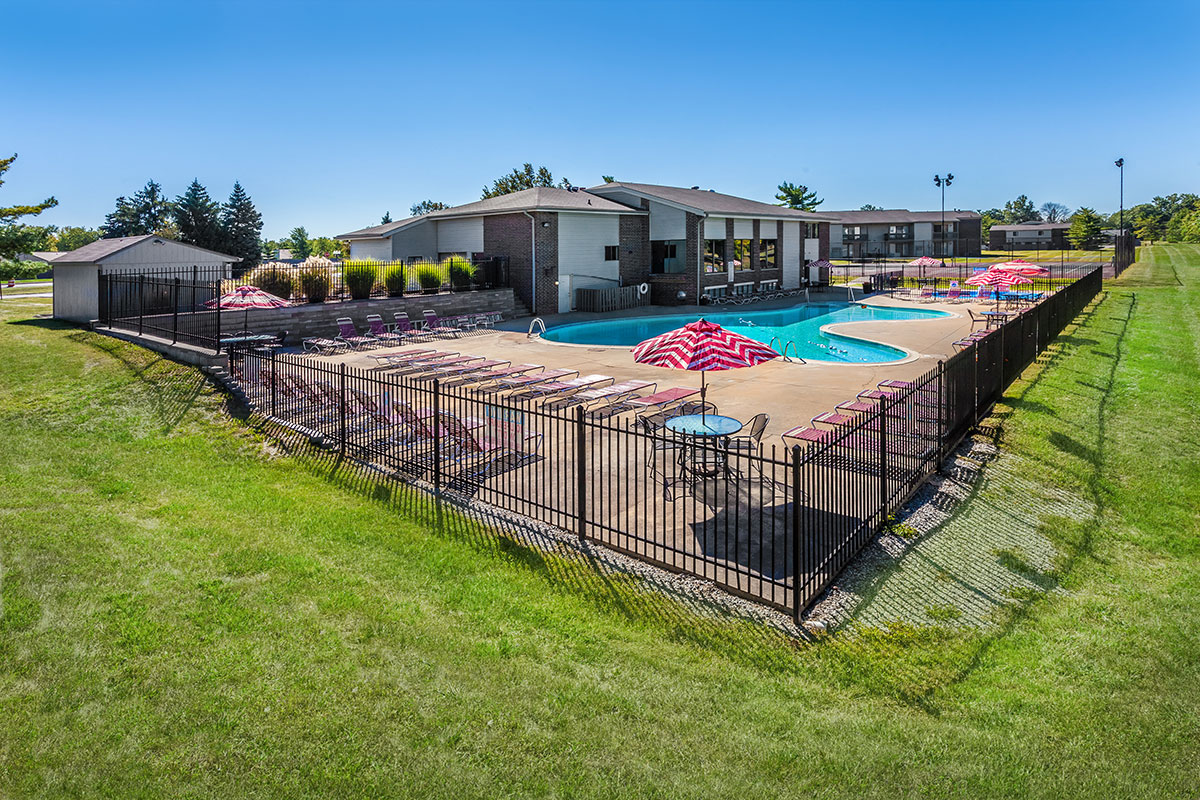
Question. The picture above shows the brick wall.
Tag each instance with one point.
(509, 235)
(970, 232)
(634, 249)
(306, 320)
(547, 262)
(822, 242)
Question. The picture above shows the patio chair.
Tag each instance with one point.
(379, 332)
(316, 345)
(435, 325)
(524, 381)
(348, 334)
(976, 319)
(399, 359)
(659, 400)
(751, 440)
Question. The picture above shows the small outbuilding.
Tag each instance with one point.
(77, 273)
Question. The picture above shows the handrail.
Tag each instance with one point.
(537, 321)
(786, 344)
(850, 293)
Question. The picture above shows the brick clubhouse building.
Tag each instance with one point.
(682, 243)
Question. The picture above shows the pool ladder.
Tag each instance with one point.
(784, 352)
(536, 323)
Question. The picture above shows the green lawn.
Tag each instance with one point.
(191, 610)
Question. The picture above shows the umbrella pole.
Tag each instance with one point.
(703, 397)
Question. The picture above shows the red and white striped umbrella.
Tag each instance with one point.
(997, 277)
(702, 346)
(926, 261)
(1020, 266)
(247, 297)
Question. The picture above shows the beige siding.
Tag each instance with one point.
(460, 236)
(791, 255)
(667, 223)
(417, 241)
(714, 228)
(75, 292)
(581, 265)
(372, 249)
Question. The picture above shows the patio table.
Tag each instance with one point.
(697, 457)
(248, 342)
(997, 317)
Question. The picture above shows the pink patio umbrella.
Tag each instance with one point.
(247, 297)
(926, 261)
(1020, 266)
(702, 346)
(997, 278)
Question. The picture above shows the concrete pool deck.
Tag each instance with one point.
(791, 393)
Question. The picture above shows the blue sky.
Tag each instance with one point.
(332, 113)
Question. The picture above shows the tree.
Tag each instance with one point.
(269, 249)
(1189, 226)
(1084, 232)
(524, 177)
(1147, 227)
(13, 213)
(387, 217)
(17, 237)
(797, 196)
(869, 207)
(324, 246)
(1054, 212)
(241, 226)
(425, 206)
(198, 218)
(147, 212)
(72, 238)
(298, 243)
(608, 179)
(1020, 210)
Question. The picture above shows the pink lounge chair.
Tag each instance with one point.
(490, 375)
(605, 397)
(399, 359)
(440, 372)
(524, 381)
(348, 334)
(563, 388)
(436, 325)
(378, 331)
(803, 433)
(660, 400)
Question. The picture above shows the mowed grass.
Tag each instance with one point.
(188, 610)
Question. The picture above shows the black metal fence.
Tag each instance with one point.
(175, 308)
(772, 523)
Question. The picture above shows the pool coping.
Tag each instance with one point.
(909, 354)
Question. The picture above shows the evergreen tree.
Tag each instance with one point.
(18, 238)
(241, 225)
(198, 218)
(387, 217)
(13, 213)
(425, 206)
(1085, 229)
(147, 212)
(797, 196)
(1020, 210)
(298, 243)
(524, 177)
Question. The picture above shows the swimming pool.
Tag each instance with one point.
(800, 324)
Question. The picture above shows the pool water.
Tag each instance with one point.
(800, 324)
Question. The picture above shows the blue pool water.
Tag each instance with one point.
(800, 324)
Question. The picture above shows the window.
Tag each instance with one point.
(766, 254)
(666, 257)
(612, 252)
(714, 255)
(715, 291)
(812, 230)
(741, 255)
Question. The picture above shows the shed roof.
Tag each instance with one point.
(102, 249)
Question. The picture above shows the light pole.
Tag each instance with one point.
(1120, 162)
(942, 183)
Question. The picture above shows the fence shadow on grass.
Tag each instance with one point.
(741, 630)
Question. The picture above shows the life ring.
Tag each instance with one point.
(643, 288)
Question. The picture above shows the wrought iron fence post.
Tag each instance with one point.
(883, 492)
(274, 381)
(437, 437)
(217, 338)
(141, 300)
(342, 408)
(797, 604)
(175, 314)
(942, 415)
(580, 473)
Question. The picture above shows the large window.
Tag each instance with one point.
(741, 255)
(766, 254)
(714, 255)
(667, 257)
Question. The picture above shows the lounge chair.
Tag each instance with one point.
(382, 334)
(661, 400)
(561, 388)
(805, 434)
(491, 375)
(348, 334)
(524, 381)
(439, 371)
(436, 326)
(399, 359)
(415, 369)
(317, 345)
(604, 398)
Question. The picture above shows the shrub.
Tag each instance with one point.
(395, 279)
(359, 277)
(461, 272)
(273, 278)
(429, 276)
(22, 270)
(314, 283)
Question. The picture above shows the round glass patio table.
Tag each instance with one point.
(704, 425)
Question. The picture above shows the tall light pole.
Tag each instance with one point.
(942, 183)
(1120, 162)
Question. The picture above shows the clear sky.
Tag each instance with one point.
(332, 113)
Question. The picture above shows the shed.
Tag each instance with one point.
(77, 273)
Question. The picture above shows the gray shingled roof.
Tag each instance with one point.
(704, 201)
(891, 216)
(1033, 226)
(541, 198)
(104, 248)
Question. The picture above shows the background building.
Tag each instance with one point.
(900, 233)
(1029, 236)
